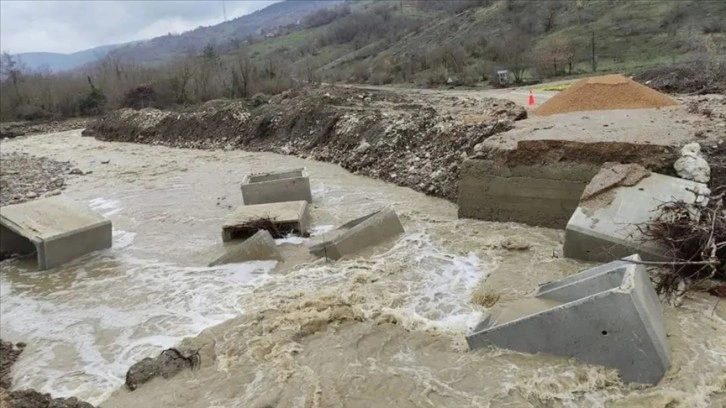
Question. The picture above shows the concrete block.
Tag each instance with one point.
(609, 315)
(288, 217)
(57, 229)
(605, 227)
(543, 195)
(360, 233)
(258, 247)
(273, 187)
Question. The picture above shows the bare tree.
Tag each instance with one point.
(513, 51)
(12, 68)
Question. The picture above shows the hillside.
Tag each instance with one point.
(224, 35)
(62, 62)
(429, 42)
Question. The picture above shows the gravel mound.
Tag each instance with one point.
(604, 93)
(24, 177)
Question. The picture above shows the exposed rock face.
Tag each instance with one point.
(166, 365)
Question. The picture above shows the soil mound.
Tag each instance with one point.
(603, 93)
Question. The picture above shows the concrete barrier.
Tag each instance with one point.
(606, 227)
(273, 187)
(258, 247)
(360, 233)
(609, 315)
(57, 229)
(287, 217)
(543, 195)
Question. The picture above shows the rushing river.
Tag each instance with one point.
(383, 330)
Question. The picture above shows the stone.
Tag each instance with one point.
(259, 247)
(605, 226)
(278, 186)
(287, 217)
(57, 229)
(608, 315)
(691, 165)
(358, 234)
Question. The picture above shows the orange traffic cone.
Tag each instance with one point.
(531, 99)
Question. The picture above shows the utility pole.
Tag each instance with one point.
(594, 65)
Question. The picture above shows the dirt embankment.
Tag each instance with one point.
(375, 133)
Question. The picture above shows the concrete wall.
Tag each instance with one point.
(258, 247)
(66, 247)
(540, 195)
(282, 186)
(11, 241)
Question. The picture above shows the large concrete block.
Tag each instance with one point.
(56, 228)
(609, 315)
(287, 217)
(258, 247)
(542, 195)
(605, 227)
(360, 233)
(273, 187)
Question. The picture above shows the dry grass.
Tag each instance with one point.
(695, 242)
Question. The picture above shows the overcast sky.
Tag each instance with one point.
(70, 26)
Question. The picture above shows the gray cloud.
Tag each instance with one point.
(69, 26)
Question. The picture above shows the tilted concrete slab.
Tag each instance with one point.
(259, 247)
(290, 216)
(360, 233)
(609, 315)
(57, 229)
(273, 187)
(605, 227)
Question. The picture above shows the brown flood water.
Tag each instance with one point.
(383, 330)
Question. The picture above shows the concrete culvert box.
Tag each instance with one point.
(279, 219)
(57, 229)
(274, 187)
(609, 315)
(258, 247)
(358, 234)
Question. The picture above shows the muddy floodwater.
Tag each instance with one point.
(383, 330)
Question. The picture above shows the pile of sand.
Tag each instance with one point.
(602, 93)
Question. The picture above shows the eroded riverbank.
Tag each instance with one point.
(383, 330)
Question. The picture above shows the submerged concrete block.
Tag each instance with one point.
(258, 247)
(609, 315)
(543, 194)
(360, 233)
(605, 226)
(56, 228)
(287, 217)
(279, 186)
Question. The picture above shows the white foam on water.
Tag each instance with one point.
(105, 206)
(105, 340)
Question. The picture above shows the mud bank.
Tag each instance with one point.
(412, 142)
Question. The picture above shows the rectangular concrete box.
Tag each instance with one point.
(609, 232)
(290, 216)
(360, 233)
(259, 247)
(273, 187)
(57, 229)
(609, 315)
(541, 195)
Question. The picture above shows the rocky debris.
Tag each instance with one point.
(35, 399)
(24, 177)
(9, 354)
(613, 175)
(685, 78)
(15, 129)
(691, 165)
(379, 134)
(166, 365)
